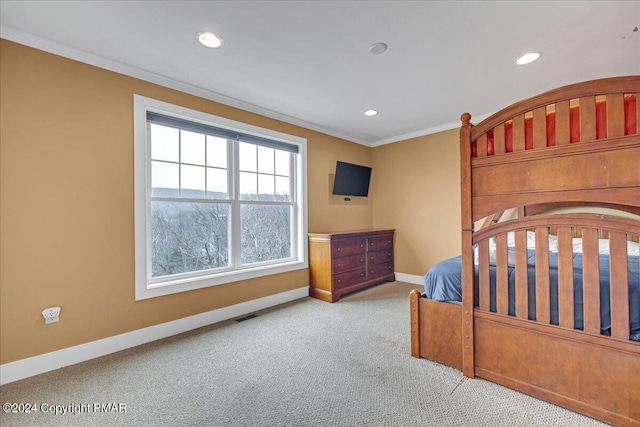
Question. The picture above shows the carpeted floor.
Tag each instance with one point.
(305, 363)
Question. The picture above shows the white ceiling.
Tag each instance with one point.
(308, 62)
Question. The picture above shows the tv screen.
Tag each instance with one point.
(351, 180)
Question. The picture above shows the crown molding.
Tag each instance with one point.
(148, 76)
(428, 131)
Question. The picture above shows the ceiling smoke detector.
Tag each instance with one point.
(378, 48)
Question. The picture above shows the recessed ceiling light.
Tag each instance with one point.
(210, 40)
(378, 48)
(528, 58)
(370, 113)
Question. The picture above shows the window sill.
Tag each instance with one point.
(146, 290)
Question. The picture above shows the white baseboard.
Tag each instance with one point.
(409, 278)
(24, 368)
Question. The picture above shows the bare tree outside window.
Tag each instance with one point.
(265, 233)
(188, 237)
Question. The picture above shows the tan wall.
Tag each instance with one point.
(416, 190)
(66, 204)
(328, 213)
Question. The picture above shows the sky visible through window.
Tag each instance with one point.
(196, 163)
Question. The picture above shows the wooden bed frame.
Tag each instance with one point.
(581, 370)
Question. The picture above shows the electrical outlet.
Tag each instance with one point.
(51, 314)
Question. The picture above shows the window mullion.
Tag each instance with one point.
(234, 226)
(180, 163)
(206, 167)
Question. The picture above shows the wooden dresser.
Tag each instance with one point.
(344, 262)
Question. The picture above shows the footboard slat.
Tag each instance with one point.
(543, 304)
(619, 287)
(502, 284)
(565, 277)
(591, 281)
(483, 275)
(522, 293)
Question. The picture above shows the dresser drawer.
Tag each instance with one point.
(379, 270)
(349, 278)
(379, 257)
(348, 263)
(382, 242)
(344, 247)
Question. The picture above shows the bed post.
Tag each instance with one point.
(468, 362)
(414, 306)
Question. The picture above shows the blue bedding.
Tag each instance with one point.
(443, 283)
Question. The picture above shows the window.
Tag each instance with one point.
(216, 201)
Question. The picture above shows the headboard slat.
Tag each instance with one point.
(615, 115)
(518, 133)
(481, 146)
(540, 127)
(499, 146)
(638, 112)
(563, 123)
(588, 118)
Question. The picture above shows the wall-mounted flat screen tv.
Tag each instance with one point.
(351, 180)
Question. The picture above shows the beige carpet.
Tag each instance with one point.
(305, 363)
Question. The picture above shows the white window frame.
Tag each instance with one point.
(148, 287)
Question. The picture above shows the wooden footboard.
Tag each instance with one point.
(593, 375)
(436, 330)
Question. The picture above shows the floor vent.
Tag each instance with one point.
(242, 319)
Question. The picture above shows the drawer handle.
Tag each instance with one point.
(361, 274)
(361, 259)
(339, 265)
(339, 280)
(338, 248)
(361, 245)
(388, 267)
